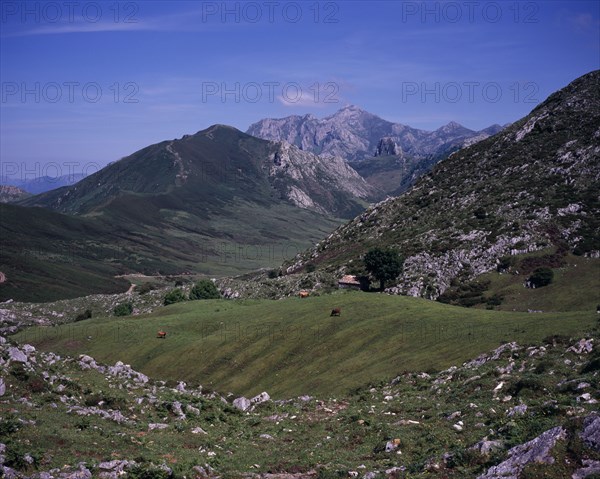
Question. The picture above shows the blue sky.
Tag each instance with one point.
(86, 83)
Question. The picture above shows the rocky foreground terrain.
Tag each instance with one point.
(521, 411)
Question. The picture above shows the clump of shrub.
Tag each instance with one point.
(174, 296)
(541, 277)
(204, 289)
(148, 471)
(9, 425)
(87, 314)
(467, 294)
(505, 263)
(123, 309)
(146, 288)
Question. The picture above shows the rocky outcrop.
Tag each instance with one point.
(324, 184)
(591, 432)
(388, 147)
(537, 450)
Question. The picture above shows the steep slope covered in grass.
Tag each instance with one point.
(532, 187)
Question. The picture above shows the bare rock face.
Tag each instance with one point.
(591, 432)
(324, 184)
(537, 450)
(388, 147)
(590, 468)
(354, 134)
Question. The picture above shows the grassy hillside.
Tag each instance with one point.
(292, 346)
(48, 256)
(208, 203)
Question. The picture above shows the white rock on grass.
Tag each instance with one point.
(260, 398)
(242, 403)
(15, 354)
(158, 426)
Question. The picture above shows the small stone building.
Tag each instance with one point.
(350, 281)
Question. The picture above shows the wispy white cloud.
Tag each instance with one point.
(82, 27)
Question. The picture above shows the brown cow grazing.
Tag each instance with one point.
(161, 334)
(303, 294)
(336, 312)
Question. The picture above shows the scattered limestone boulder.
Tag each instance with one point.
(114, 469)
(159, 426)
(260, 398)
(591, 432)
(88, 362)
(192, 410)
(517, 410)
(2, 387)
(82, 473)
(484, 447)
(536, 450)
(242, 403)
(589, 468)
(583, 346)
(15, 354)
(176, 408)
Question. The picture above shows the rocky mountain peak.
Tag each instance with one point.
(354, 134)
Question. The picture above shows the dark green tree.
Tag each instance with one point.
(174, 296)
(541, 277)
(383, 264)
(204, 289)
(123, 309)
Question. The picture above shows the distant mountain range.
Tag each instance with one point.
(389, 156)
(42, 183)
(533, 187)
(219, 164)
(354, 135)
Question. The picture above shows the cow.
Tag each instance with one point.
(161, 334)
(303, 294)
(336, 312)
